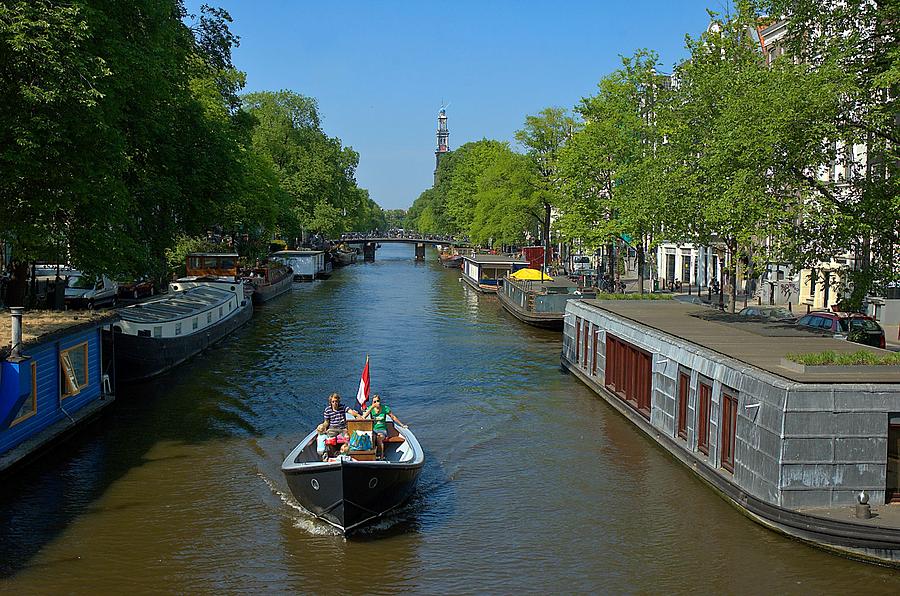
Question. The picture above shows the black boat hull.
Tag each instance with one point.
(350, 494)
(139, 358)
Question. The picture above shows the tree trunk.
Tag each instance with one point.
(640, 259)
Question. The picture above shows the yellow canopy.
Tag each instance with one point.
(530, 275)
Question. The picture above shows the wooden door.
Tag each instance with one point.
(892, 491)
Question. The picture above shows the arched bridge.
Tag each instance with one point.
(370, 244)
(403, 240)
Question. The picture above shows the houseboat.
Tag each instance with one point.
(155, 336)
(541, 303)
(269, 281)
(51, 383)
(307, 264)
(485, 272)
(811, 452)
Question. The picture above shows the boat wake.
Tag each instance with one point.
(301, 518)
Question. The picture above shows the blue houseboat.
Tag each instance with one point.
(50, 384)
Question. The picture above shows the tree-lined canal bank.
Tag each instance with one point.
(532, 482)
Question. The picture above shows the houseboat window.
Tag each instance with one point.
(703, 400)
(577, 338)
(177, 328)
(628, 374)
(209, 317)
(220, 311)
(211, 263)
(595, 336)
(729, 426)
(684, 391)
(227, 263)
(195, 262)
(29, 407)
(587, 330)
(74, 369)
(157, 331)
(194, 323)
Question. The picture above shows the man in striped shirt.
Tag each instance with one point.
(336, 415)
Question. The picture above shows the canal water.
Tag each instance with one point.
(532, 483)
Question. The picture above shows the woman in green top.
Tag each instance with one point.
(379, 412)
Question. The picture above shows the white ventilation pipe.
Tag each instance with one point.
(16, 329)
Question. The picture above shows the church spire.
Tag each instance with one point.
(443, 140)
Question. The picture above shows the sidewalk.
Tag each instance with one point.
(890, 337)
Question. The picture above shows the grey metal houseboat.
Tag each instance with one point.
(540, 303)
(795, 448)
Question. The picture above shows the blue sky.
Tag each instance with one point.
(380, 70)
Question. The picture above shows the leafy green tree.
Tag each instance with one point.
(543, 136)
(853, 45)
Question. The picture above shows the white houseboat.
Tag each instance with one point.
(307, 264)
(485, 272)
(199, 310)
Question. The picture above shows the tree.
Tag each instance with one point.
(543, 136)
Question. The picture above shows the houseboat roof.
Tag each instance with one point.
(495, 259)
(38, 325)
(177, 305)
(759, 344)
(213, 254)
(557, 282)
(296, 253)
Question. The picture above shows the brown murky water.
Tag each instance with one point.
(532, 484)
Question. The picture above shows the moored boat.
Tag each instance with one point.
(451, 261)
(155, 336)
(351, 490)
(485, 272)
(343, 256)
(542, 302)
(200, 309)
(270, 280)
(307, 264)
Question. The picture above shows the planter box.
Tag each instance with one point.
(834, 368)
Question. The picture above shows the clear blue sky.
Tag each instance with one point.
(380, 69)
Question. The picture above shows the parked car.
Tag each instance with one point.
(138, 288)
(581, 264)
(853, 327)
(88, 291)
(769, 313)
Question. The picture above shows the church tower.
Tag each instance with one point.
(443, 140)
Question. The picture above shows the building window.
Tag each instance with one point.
(29, 407)
(729, 426)
(73, 364)
(194, 323)
(157, 331)
(704, 398)
(577, 338)
(628, 374)
(684, 392)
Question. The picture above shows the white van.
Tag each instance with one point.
(580, 263)
(83, 290)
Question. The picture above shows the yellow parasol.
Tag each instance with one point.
(530, 275)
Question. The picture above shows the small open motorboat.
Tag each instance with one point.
(350, 490)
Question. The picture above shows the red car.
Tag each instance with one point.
(139, 288)
(855, 327)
